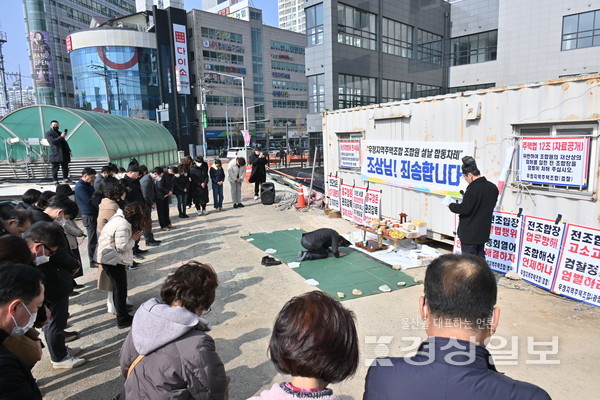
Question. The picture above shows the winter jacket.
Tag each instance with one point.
(180, 361)
(148, 189)
(72, 232)
(135, 191)
(16, 381)
(59, 148)
(475, 211)
(322, 239)
(445, 368)
(162, 189)
(199, 175)
(115, 245)
(259, 169)
(234, 171)
(281, 392)
(181, 184)
(217, 174)
(107, 209)
(83, 196)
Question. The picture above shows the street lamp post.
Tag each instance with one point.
(287, 136)
(254, 106)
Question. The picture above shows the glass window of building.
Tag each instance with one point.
(355, 91)
(314, 25)
(472, 49)
(395, 90)
(316, 93)
(222, 57)
(457, 89)
(117, 80)
(429, 47)
(356, 28)
(397, 38)
(285, 66)
(427, 90)
(581, 30)
(221, 35)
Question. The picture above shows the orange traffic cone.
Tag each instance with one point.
(300, 203)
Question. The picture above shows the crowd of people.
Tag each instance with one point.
(168, 353)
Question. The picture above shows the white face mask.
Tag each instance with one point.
(198, 164)
(177, 175)
(21, 330)
(43, 259)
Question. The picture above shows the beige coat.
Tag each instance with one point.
(106, 210)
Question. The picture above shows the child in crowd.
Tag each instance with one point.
(314, 340)
(217, 177)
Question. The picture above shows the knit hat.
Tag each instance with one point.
(133, 167)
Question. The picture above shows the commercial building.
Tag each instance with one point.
(115, 68)
(499, 43)
(361, 53)
(47, 24)
(291, 15)
(247, 70)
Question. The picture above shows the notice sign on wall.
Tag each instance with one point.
(554, 161)
(182, 69)
(333, 192)
(346, 202)
(502, 249)
(372, 205)
(358, 205)
(578, 271)
(350, 154)
(540, 248)
(427, 166)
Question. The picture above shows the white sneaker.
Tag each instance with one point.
(73, 351)
(204, 212)
(111, 309)
(255, 197)
(68, 362)
(199, 212)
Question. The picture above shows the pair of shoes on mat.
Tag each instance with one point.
(302, 255)
(268, 261)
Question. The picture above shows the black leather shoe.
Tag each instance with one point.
(235, 206)
(152, 242)
(240, 205)
(140, 251)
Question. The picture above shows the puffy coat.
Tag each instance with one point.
(198, 176)
(180, 360)
(235, 172)
(115, 245)
(259, 169)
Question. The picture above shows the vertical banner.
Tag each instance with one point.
(372, 205)
(346, 202)
(541, 244)
(350, 154)
(577, 276)
(41, 56)
(182, 69)
(358, 205)
(246, 135)
(333, 192)
(427, 166)
(554, 161)
(502, 248)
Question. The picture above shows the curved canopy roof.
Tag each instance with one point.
(91, 135)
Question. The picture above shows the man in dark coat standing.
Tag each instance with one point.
(199, 185)
(258, 175)
(460, 314)
(476, 209)
(60, 152)
(318, 243)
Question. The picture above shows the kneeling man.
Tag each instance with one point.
(318, 243)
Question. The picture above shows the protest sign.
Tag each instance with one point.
(333, 192)
(350, 154)
(372, 205)
(502, 249)
(346, 202)
(358, 205)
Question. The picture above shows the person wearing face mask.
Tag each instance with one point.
(21, 296)
(199, 185)
(60, 152)
(162, 193)
(59, 271)
(181, 188)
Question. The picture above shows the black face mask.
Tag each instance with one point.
(56, 129)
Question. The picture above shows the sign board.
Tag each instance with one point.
(578, 270)
(358, 205)
(503, 247)
(426, 166)
(559, 161)
(540, 248)
(372, 205)
(333, 192)
(41, 58)
(182, 69)
(349, 154)
(346, 202)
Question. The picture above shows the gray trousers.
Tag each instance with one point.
(91, 225)
(236, 192)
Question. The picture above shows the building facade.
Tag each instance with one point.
(500, 43)
(115, 68)
(247, 70)
(291, 15)
(47, 25)
(361, 53)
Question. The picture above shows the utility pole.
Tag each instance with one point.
(2, 71)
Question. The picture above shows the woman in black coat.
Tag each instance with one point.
(199, 184)
(258, 175)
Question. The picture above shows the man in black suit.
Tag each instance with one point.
(60, 152)
(476, 209)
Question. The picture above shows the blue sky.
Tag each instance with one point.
(15, 49)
